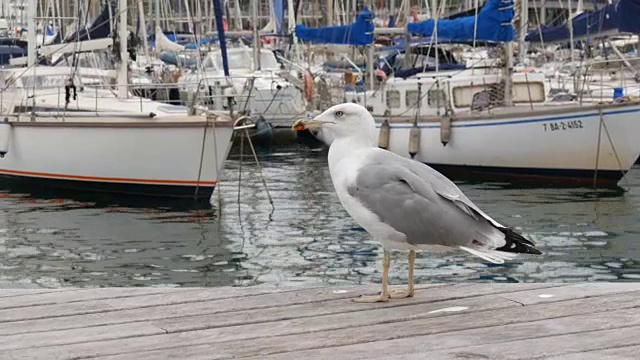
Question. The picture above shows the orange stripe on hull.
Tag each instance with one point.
(105, 179)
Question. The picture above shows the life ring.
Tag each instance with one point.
(308, 85)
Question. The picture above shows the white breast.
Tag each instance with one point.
(343, 174)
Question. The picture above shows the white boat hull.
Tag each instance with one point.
(146, 157)
(558, 145)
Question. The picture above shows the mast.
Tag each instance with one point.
(523, 25)
(329, 12)
(570, 23)
(256, 36)
(31, 32)
(508, 64)
(143, 28)
(157, 22)
(407, 37)
(434, 15)
(124, 55)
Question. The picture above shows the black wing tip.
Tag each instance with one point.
(516, 243)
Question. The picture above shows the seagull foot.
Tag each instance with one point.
(371, 298)
(397, 294)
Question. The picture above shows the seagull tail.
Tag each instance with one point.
(494, 256)
(516, 243)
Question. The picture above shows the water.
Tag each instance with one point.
(49, 240)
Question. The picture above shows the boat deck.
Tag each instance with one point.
(466, 321)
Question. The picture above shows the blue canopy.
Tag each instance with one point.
(493, 25)
(358, 33)
(623, 16)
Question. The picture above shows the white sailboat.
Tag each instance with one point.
(501, 125)
(55, 133)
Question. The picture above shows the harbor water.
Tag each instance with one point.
(54, 239)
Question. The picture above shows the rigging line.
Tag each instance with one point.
(613, 147)
(264, 182)
(595, 173)
(204, 139)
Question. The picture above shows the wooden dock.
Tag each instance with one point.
(465, 321)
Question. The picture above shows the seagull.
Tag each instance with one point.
(402, 203)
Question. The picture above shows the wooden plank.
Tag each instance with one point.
(573, 291)
(243, 313)
(475, 324)
(616, 353)
(77, 295)
(186, 296)
(538, 338)
(100, 333)
(548, 346)
(351, 315)
(4, 293)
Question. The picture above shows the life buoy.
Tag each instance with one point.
(308, 86)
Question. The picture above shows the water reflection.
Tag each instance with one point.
(53, 240)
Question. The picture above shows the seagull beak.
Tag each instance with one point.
(307, 124)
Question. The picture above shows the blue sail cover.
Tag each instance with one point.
(278, 10)
(493, 25)
(100, 28)
(217, 9)
(623, 16)
(358, 33)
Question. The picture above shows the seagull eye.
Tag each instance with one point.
(339, 113)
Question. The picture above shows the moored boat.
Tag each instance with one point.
(564, 144)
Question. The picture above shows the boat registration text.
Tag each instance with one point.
(562, 125)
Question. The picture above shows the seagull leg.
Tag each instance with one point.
(384, 296)
(409, 292)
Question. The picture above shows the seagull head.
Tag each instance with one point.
(346, 120)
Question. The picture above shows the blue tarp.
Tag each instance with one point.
(358, 33)
(493, 25)
(623, 16)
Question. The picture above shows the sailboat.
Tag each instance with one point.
(501, 126)
(57, 133)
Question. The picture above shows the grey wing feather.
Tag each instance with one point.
(410, 204)
(439, 183)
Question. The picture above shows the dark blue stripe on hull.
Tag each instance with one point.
(529, 175)
(27, 183)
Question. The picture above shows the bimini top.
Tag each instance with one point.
(621, 17)
(493, 24)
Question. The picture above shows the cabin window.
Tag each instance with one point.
(436, 98)
(393, 99)
(413, 97)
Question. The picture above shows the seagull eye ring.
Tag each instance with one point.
(339, 113)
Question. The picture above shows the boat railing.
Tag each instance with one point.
(67, 101)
